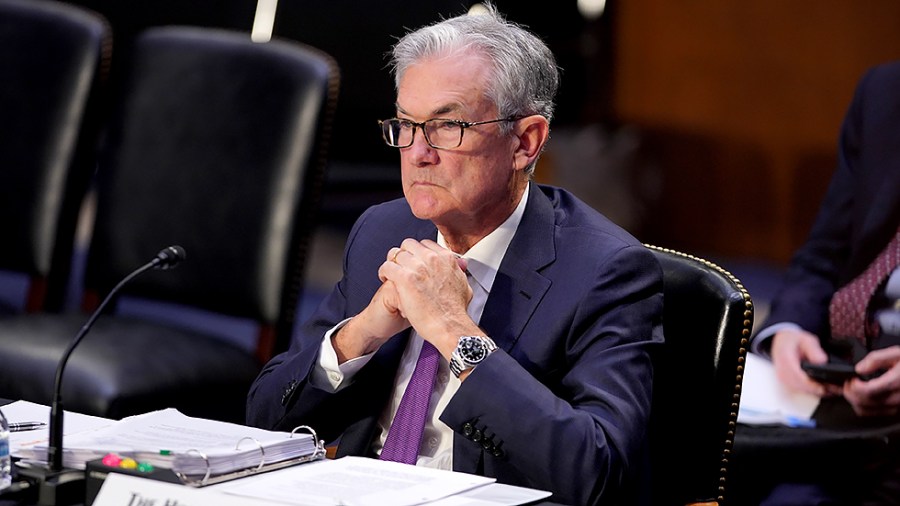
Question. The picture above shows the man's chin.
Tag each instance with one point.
(423, 207)
(423, 213)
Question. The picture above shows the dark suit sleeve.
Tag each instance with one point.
(858, 213)
(816, 269)
(282, 397)
(577, 429)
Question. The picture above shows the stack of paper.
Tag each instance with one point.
(350, 481)
(186, 445)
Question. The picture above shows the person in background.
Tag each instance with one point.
(839, 299)
(522, 320)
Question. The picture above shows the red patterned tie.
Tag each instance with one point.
(405, 434)
(847, 312)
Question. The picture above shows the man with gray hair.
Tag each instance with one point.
(483, 323)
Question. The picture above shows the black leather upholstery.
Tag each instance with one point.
(53, 61)
(217, 146)
(708, 318)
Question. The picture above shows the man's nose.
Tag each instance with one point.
(420, 152)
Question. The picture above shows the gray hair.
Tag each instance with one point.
(524, 73)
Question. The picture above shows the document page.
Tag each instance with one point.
(354, 481)
(765, 401)
(494, 494)
(168, 438)
(24, 411)
(170, 430)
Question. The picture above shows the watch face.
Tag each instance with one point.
(472, 349)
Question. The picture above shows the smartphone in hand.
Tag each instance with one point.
(835, 373)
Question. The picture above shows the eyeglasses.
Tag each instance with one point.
(439, 133)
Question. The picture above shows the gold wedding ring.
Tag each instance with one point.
(394, 256)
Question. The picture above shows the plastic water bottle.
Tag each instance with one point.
(5, 462)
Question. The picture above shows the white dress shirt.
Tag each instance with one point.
(436, 449)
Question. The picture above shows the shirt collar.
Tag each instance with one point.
(485, 256)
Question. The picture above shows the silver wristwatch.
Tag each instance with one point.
(469, 352)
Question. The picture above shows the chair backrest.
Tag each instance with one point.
(708, 317)
(53, 62)
(218, 145)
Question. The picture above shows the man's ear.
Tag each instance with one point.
(532, 132)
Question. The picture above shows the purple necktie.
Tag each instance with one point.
(405, 434)
(847, 311)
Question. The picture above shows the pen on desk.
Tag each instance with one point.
(794, 421)
(23, 426)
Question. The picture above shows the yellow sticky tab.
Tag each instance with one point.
(128, 463)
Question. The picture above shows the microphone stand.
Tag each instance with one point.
(56, 485)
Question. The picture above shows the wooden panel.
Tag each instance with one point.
(769, 79)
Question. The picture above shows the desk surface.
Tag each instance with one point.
(842, 444)
(26, 498)
(836, 427)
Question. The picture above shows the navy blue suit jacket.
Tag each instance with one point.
(576, 311)
(860, 212)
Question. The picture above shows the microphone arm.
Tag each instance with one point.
(166, 259)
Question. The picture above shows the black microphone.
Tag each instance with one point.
(167, 258)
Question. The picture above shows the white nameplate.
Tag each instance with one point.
(124, 490)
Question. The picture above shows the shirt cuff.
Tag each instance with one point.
(762, 342)
(328, 374)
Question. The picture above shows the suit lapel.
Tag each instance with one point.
(518, 287)
(516, 293)
(426, 230)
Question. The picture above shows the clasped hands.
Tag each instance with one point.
(423, 286)
(875, 397)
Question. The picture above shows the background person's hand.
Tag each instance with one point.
(878, 396)
(790, 347)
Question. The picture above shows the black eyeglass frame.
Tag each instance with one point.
(463, 125)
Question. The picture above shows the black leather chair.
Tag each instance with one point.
(217, 145)
(53, 62)
(708, 317)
